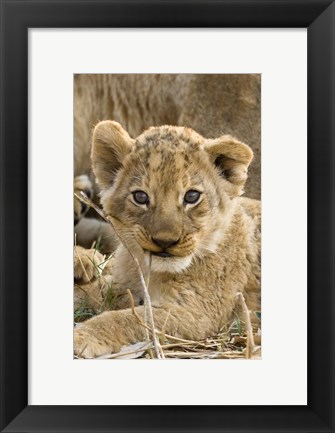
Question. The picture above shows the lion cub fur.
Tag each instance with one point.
(212, 246)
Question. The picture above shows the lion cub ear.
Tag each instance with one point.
(111, 144)
(232, 158)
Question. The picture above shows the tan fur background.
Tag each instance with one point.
(211, 104)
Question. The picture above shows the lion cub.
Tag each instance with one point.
(176, 196)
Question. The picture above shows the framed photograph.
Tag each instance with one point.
(231, 83)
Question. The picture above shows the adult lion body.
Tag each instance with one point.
(175, 197)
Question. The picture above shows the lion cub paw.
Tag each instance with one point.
(81, 183)
(86, 345)
(86, 264)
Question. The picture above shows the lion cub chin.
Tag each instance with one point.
(175, 200)
(171, 265)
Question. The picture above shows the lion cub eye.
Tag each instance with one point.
(192, 196)
(141, 197)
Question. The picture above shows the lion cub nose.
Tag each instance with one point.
(165, 243)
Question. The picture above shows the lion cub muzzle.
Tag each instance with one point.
(164, 244)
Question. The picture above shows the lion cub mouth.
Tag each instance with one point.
(166, 262)
(162, 254)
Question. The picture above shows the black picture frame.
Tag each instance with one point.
(16, 18)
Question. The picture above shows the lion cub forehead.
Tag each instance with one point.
(169, 137)
(167, 153)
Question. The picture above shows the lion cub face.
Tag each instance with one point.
(171, 187)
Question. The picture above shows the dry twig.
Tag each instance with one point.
(251, 347)
(82, 197)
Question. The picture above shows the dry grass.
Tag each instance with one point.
(238, 341)
(225, 345)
